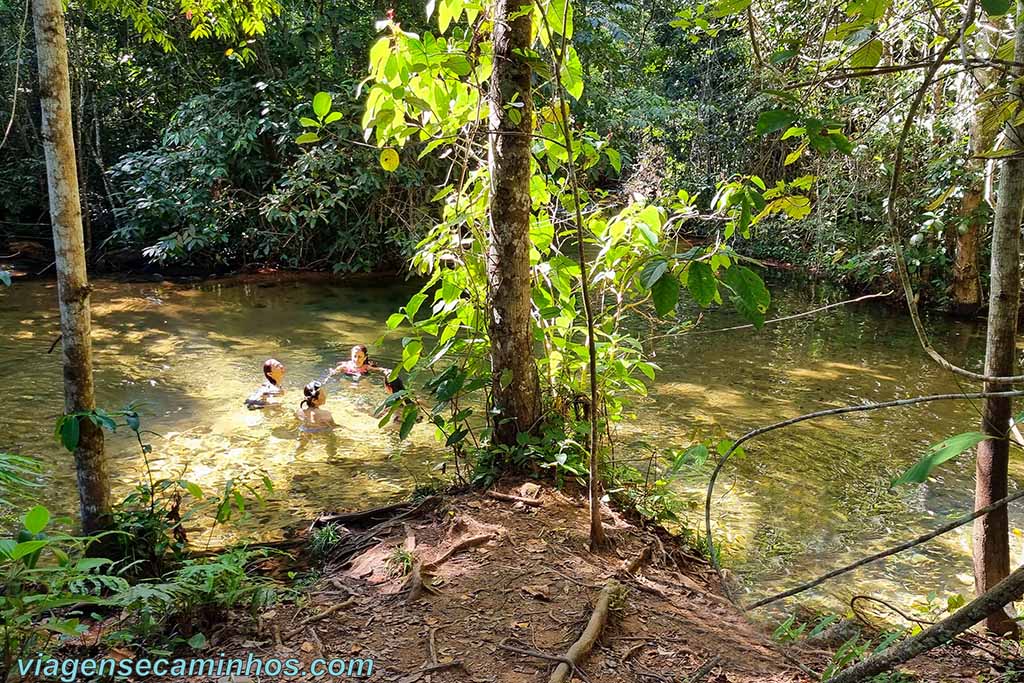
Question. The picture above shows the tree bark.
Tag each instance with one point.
(515, 390)
(965, 288)
(72, 281)
(991, 532)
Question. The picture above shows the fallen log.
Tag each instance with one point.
(582, 647)
(1004, 592)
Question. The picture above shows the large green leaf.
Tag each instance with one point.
(867, 55)
(700, 280)
(752, 297)
(36, 519)
(773, 120)
(996, 8)
(938, 454)
(321, 104)
(665, 293)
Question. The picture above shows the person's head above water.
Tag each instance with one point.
(394, 385)
(273, 370)
(360, 355)
(315, 395)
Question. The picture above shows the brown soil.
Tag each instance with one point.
(490, 574)
(531, 586)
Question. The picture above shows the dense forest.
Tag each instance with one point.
(644, 325)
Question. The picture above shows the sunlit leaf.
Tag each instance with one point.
(938, 454)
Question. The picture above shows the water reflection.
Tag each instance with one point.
(804, 500)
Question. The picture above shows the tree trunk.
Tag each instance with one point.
(515, 392)
(965, 289)
(991, 532)
(72, 281)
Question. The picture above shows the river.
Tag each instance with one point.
(801, 501)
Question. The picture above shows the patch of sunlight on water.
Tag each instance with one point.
(801, 502)
(190, 356)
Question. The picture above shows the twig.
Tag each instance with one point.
(417, 675)
(955, 524)
(705, 669)
(805, 314)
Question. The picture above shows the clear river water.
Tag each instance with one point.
(803, 500)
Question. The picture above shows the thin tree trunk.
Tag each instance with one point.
(72, 282)
(965, 289)
(515, 389)
(991, 532)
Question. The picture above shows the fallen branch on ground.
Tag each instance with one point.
(581, 648)
(377, 514)
(532, 502)
(955, 524)
(1004, 592)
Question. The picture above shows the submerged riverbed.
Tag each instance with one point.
(802, 500)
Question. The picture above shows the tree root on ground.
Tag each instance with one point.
(418, 579)
(320, 615)
(581, 648)
(532, 502)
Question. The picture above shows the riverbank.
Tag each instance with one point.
(483, 587)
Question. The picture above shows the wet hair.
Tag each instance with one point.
(268, 365)
(312, 392)
(394, 385)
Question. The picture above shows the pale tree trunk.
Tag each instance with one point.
(965, 290)
(515, 391)
(991, 532)
(72, 281)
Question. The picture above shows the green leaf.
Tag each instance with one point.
(614, 158)
(5, 277)
(867, 55)
(408, 421)
(938, 454)
(69, 432)
(700, 280)
(752, 297)
(308, 122)
(27, 548)
(197, 642)
(996, 8)
(332, 117)
(36, 519)
(653, 271)
(394, 320)
(665, 293)
(321, 104)
(773, 120)
(307, 138)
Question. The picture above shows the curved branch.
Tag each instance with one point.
(813, 416)
(924, 538)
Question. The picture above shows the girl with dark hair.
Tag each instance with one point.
(358, 364)
(313, 417)
(271, 390)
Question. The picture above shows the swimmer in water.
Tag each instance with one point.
(313, 417)
(271, 390)
(358, 365)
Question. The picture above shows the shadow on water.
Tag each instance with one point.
(802, 501)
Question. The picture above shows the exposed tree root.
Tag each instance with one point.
(633, 566)
(581, 648)
(320, 615)
(705, 669)
(507, 497)
(419, 578)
